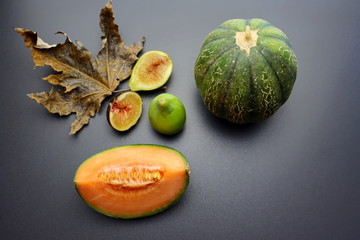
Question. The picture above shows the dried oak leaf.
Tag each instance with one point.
(84, 81)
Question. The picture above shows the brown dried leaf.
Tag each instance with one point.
(114, 52)
(84, 81)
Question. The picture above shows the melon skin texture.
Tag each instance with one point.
(246, 70)
(133, 181)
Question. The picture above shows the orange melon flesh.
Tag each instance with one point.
(133, 181)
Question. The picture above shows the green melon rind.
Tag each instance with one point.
(176, 199)
(261, 82)
(135, 83)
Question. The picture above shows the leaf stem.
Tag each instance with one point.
(122, 90)
(128, 89)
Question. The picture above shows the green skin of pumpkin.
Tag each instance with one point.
(246, 70)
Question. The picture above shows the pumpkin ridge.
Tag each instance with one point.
(230, 76)
(212, 41)
(264, 26)
(219, 56)
(274, 72)
(227, 28)
(252, 93)
(286, 41)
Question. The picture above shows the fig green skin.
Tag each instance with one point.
(245, 87)
(187, 180)
(131, 123)
(167, 114)
(135, 82)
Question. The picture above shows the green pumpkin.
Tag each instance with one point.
(246, 70)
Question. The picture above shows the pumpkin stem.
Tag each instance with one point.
(247, 33)
(246, 39)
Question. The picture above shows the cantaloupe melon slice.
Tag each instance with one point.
(133, 181)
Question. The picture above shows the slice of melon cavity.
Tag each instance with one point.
(133, 181)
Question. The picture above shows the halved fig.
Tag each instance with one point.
(124, 110)
(151, 71)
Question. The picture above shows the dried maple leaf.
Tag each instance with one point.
(84, 81)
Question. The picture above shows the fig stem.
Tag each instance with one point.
(122, 90)
(162, 102)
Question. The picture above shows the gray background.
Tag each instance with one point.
(293, 176)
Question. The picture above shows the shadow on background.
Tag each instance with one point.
(175, 208)
(224, 127)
